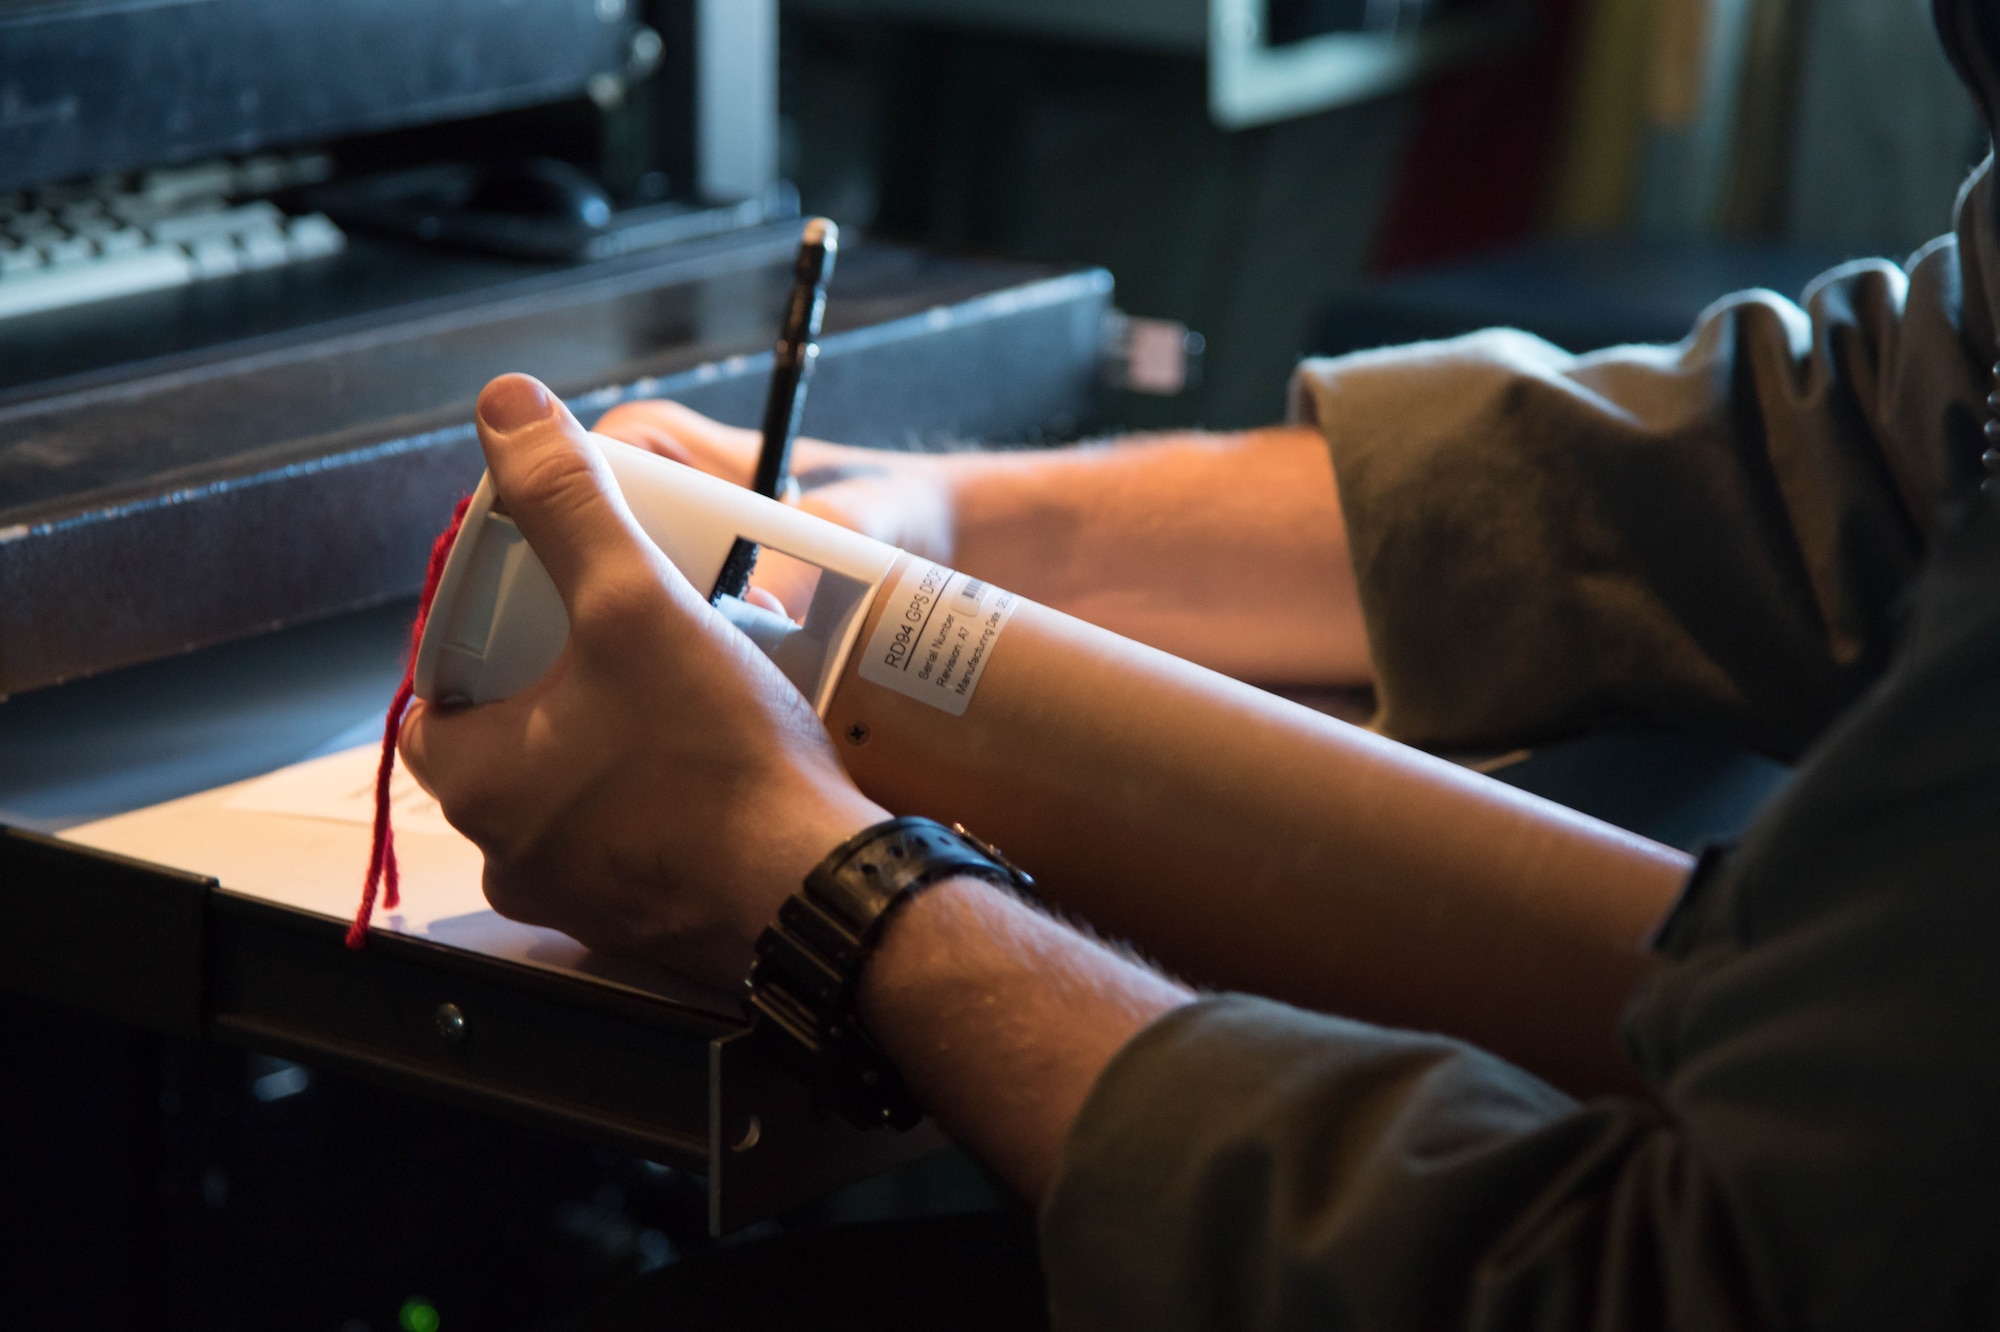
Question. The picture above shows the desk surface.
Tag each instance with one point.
(256, 840)
(148, 762)
(136, 737)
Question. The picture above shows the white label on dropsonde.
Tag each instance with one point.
(936, 635)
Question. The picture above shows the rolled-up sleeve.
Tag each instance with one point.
(1819, 1151)
(1714, 535)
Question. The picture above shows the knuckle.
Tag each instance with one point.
(619, 599)
(632, 592)
(554, 479)
(482, 801)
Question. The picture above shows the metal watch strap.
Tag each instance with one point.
(800, 995)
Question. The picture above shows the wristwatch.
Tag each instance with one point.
(800, 995)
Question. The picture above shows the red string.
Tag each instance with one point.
(382, 848)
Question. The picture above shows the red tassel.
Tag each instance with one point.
(382, 849)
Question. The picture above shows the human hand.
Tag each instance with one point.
(903, 499)
(663, 788)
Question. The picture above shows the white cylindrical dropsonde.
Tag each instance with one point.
(1246, 841)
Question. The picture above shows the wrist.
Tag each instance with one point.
(982, 502)
(921, 947)
(1000, 1019)
(802, 991)
(1008, 510)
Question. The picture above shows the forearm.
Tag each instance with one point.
(1255, 845)
(1227, 550)
(1001, 1019)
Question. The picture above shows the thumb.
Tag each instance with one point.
(554, 484)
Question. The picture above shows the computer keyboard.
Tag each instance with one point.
(68, 244)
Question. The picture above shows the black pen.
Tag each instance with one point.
(798, 349)
(791, 369)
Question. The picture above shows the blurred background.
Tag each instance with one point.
(1659, 151)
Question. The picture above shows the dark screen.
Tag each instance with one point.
(89, 87)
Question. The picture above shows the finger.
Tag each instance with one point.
(460, 756)
(685, 435)
(475, 760)
(413, 744)
(446, 748)
(556, 487)
(645, 435)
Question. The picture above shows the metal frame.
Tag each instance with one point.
(175, 953)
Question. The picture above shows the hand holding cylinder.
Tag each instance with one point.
(1245, 840)
(661, 787)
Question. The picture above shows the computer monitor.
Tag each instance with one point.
(90, 87)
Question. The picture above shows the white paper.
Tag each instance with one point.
(341, 787)
(299, 838)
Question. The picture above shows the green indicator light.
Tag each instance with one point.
(418, 1316)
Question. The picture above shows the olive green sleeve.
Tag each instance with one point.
(1818, 1151)
(1714, 535)
(1247, 1165)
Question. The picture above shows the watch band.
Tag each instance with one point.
(800, 995)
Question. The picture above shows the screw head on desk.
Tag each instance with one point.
(450, 1019)
(857, 734)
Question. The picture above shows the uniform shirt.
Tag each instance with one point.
(1726, 534)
